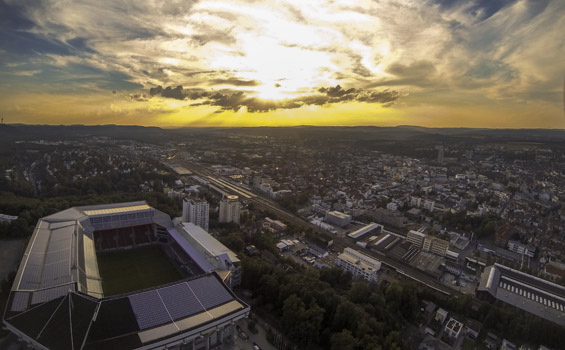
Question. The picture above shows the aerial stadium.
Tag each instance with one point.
(122, 276)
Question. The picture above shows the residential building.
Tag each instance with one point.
(429, 205)
(374, 263)
(230, 209)
(415, 201)
(441, 315)
(196, 211)
(435, 245)
(383, 216)
(338, 218)
(453, 328)
(416, 238)
(358, 264)
(520, 248)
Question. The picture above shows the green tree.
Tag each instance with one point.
(343, 341)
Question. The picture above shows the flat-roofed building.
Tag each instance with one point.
(358, 264)
(532, 294)
(435, 245)
(520, 248)
(338, 218)
(230, 209)
(372, 227)
(196, 211)
(356, 267)
(453, 328)
(429, 205)
(416, 238)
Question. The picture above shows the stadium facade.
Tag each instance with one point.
(57, 300)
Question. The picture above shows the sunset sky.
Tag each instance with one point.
(442, 63)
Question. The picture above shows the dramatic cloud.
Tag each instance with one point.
(432, 55)
(234, 82)
(140, 97)
(235, 100)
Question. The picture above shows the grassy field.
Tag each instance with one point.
(133, 269)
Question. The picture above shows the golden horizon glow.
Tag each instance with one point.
(267, 63)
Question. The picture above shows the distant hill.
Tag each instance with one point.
(26, 132)
(13, 132)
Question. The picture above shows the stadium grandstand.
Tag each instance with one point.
(532, 294)
(62, 299)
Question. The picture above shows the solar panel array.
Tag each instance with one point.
(20, 302)
(149, 310)
(531, 293)
(207, 291)
(164, 305)
(533, 281)
(180, 301)
(47, 294)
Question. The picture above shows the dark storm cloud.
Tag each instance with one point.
(235, 100)
(169, 92)
(178, 93)
(138, 96)
(234, 82)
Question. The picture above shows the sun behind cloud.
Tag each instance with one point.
(433, 63)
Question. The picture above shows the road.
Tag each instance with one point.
(339, 242)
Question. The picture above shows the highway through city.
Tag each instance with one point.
(340, 243)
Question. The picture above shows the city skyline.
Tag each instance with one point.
(444, 63)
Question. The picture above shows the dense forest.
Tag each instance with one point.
(328, 309)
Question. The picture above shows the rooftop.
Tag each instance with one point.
(527, 292)
(207, 241)
(358, 263)
(76, 321)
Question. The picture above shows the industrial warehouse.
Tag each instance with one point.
(535, 295)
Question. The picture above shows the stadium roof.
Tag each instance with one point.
(57, 301)
(191, 251)
(207, 241)
(77, 321)
(128, 209)
(61, 256)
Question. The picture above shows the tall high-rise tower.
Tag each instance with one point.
(230, 209)
(440, 154)
(196, 211)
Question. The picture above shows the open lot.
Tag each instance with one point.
(129, 270)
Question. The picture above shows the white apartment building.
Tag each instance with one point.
(196, 211)
(230, 209)
(358, 264)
